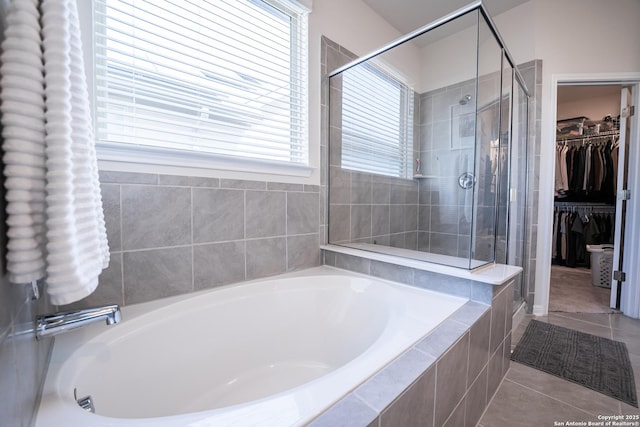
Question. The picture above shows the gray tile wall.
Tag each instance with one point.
(170, 235)
(436, 205)
(332, 56)
(446, 379)
(444, 207)
(365, 208)
(532, 75)
(445, 158)
(471, 289)
(23, 360)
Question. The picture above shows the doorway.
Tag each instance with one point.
(575, 92)
(587, 147)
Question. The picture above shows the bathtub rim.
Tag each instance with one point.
(137, 309)
(491, 273)
(72, 341)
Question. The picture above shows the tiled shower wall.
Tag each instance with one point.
(365, 207)
(532, 75)
(437, 156)
(432, 213)
(171, 235)
(445, 208)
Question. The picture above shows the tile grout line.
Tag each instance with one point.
(286, 231)
(486, 408)
(244, 230)
(122, 287)
(611, 327)
(611, 324)
(550, 397)
(554, 313)
(193, 260)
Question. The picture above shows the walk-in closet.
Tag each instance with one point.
(586, 173)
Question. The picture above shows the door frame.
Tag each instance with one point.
(630, 298)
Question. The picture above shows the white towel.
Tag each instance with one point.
(54, 205)
(23, 125)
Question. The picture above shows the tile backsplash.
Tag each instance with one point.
(170, 235)
(23, 360)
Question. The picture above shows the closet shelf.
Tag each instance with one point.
(588, 137)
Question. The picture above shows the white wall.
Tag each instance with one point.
(518, 31)
(453, 59)
(354, 25)
(350, 23)
(450, 60)
(604, 37)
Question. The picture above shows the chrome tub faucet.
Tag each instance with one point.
(55, 323)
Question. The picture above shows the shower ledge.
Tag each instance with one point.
(493, 274)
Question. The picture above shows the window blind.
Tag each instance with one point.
(219, 78)
(377, 122)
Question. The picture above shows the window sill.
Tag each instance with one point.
(174, 162)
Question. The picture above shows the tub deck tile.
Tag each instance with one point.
(442, 337)
(415, 407)
(470, 313)
(381, 389)
(348, 412)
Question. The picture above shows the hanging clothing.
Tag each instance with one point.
(573, 231)
(587, 172)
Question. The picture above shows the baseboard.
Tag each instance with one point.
(539, 310)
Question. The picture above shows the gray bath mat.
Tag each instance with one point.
(598, 363)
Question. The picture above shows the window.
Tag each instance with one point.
(224, 79)
(377, 122)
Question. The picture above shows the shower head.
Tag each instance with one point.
(465, 99)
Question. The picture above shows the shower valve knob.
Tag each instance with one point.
(466, 180)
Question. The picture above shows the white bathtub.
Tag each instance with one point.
(274, 352)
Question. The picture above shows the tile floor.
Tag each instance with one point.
(531, 398)
(572, 290)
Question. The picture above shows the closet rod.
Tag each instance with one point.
(592, 207)
(581, 204)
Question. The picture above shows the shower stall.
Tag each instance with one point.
(427, 147)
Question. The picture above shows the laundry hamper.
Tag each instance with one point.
(601, 264)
